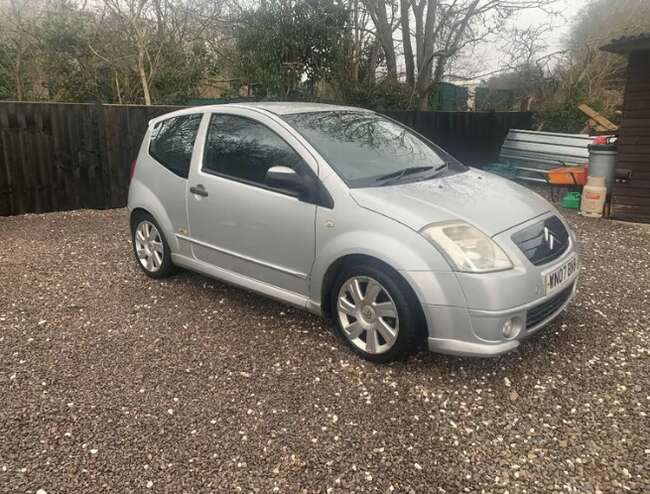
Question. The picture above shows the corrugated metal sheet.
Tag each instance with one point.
(544, 150)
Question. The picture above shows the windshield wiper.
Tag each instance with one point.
(394, 177)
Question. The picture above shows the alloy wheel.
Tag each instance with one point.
(368, 315)
(149, 246)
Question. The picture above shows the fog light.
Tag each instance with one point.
(512, 327)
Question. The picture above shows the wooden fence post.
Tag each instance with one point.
(102, 153)
(6, 179)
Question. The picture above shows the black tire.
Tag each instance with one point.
(166, 267)
(409, 311)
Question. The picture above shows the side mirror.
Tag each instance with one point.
(285, 178)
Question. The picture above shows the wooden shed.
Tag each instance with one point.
(631, 200)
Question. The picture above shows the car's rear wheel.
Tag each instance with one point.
(376, 313)
(150, 247)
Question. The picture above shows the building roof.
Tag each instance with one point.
(627, 44)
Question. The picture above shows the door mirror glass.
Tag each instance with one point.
(284, 178)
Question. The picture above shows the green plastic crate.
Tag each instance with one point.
(571, 200)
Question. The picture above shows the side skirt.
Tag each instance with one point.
(248, 283)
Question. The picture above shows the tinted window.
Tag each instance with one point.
(244, 149)
(172, 141)
(364, 146)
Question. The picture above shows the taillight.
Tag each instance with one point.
(132, 170)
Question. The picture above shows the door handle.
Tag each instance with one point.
(199, 190)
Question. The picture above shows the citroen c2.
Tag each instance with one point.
(351, 215)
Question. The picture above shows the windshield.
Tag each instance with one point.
(367, 149)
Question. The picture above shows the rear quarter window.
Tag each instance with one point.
(172, 142)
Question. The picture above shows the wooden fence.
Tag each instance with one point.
(60, 156)
(474, 138)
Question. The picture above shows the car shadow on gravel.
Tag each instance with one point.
(538, 348)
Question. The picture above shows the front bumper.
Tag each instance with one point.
(469, 344)
(469, 318)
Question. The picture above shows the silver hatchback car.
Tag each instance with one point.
(348, 214)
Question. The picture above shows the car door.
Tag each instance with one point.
(236, 221)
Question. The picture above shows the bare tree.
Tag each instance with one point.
(151, 25)
(358, 35)
(443, 28)
(587, 69)
(527, 67)
(384, 15)
(143, 25)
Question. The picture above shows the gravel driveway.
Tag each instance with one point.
(113, 382)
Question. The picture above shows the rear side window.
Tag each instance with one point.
(243, 149)
(172, 141)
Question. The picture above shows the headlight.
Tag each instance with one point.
(468, 248)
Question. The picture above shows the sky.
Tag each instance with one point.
(488, 56)
(568, 11)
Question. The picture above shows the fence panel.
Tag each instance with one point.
(59, 156)
(49, 156)
(125, 126)
(472, 137)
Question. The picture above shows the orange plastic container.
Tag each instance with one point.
(568, 175)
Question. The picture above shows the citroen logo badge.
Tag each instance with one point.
(549, 238)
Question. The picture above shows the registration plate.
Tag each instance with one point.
(561, 277)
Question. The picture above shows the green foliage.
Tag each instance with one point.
(73, 73)
(494, 99)
(560, 117)
(181, 73)
(286, 48)
(566, 117)
(231, 93)
(376, 95)
(85, 60)
(352, 80)
(7, 56)
(296, 49)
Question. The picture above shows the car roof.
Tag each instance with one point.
(289, 107)
(276, 107)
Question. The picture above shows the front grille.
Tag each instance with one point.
(547, 308)
(544, 241)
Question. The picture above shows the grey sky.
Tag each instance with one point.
(569, 9)
(489, 57)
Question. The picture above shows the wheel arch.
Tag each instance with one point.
(135, 212)
(348, 260)
(336, 267)
(142, 199)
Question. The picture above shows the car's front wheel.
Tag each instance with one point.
(376, 313)
(150, 247)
